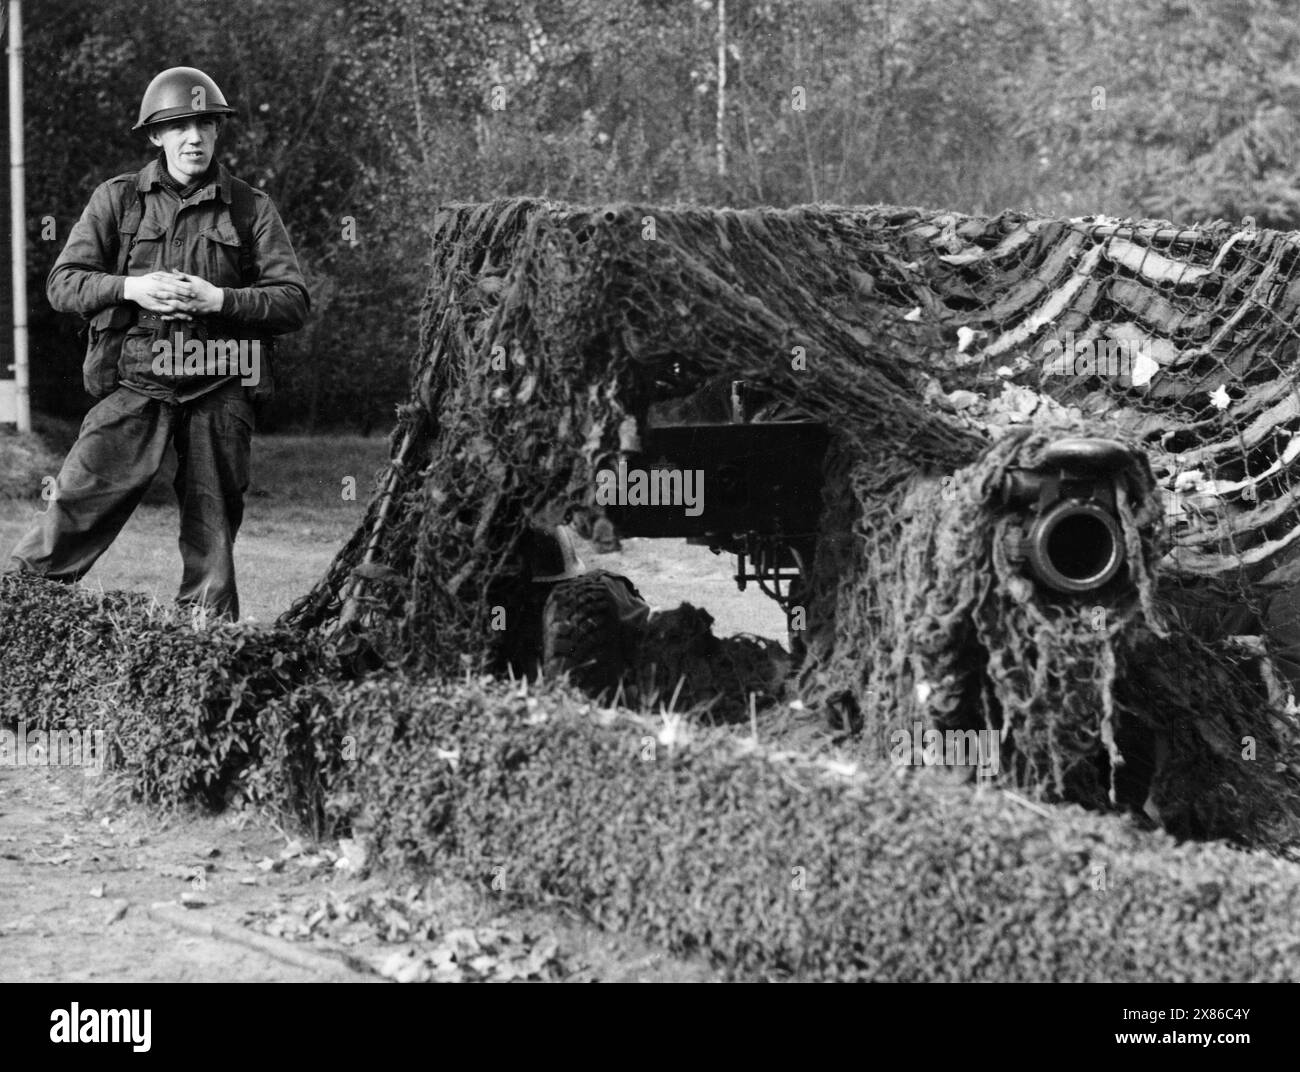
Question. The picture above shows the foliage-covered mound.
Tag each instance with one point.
(769, 863)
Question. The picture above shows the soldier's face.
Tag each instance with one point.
(188, 145)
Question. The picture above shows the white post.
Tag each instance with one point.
(18, 214)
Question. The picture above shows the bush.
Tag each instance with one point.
(778, 866)
(180, 705)
(769, 864)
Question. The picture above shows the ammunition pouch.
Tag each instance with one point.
(105, 334)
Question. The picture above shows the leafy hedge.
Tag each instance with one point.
(768, 864)
(181, 706)
(774, 866)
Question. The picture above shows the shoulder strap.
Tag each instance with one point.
(243, 209)
(130, 210)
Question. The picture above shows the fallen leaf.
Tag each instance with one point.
(543, 953)
(188, 872)
(462, 940)
(404, 967)
(415, 972)
(508, 971)
(352, 854)
(396, 925)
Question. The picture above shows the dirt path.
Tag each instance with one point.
(90, 890)
(76, 884)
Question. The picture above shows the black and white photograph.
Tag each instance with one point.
(651, 491)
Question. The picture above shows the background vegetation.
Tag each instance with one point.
(359, 118)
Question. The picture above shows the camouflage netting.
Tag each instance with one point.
(681, 664)
(545, 335)
(939, 350)
(952, 633)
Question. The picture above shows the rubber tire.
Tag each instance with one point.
(581, 635)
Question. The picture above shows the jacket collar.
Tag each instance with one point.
(151, 176)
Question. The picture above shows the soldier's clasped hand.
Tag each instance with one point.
(177, 295)
(159, 292)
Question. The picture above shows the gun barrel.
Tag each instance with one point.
(1076, 546)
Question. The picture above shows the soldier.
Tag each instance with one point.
(184, 273)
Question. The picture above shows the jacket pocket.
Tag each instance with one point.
(147, 250)
(218, 254)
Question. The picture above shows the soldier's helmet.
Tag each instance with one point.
(178, 92)
(551, 555)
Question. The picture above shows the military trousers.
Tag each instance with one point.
(119, 451)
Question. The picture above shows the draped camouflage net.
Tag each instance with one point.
(546, 333)
(939, 350)
(955, 636)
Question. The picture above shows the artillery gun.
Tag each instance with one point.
(760, 499)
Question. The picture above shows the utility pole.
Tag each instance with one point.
(18, 216)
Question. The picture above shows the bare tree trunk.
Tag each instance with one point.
(803, 120)
(755, 169)
(419, 113)
(722, 88)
